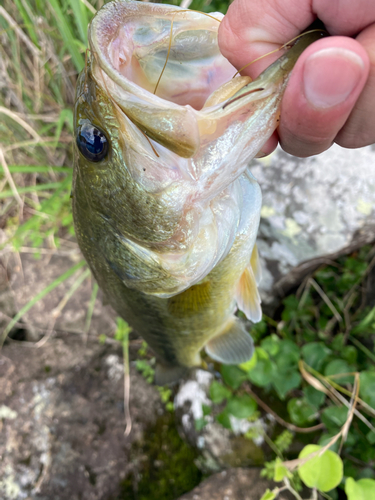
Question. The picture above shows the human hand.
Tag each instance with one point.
(330, 96)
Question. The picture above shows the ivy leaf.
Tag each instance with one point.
(338, 366)
(218, 392)
(315, 353)
(249, 365)
(271, 344)
(288, 355)
(285, 382)
(270, 495)
(200, 423)
(364, 489)
(323, 472)
(281, 471)
(224, 419)
(301, 411)
(334, 416)
(241, 406)
(367, 387)
(314, 397)
(232, 375)
(264, 373)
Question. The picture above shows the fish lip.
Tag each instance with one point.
(178, 127)
(102, 31)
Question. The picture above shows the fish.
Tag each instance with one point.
(165, 208)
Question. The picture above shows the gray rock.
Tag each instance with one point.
(314, 209)
(219, 447)
(62, 419)
(233, 484)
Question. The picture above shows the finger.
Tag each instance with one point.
(359, 129)
(323, 88)
(254, 27)
(269, 146)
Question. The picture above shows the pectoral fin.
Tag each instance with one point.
(255, 265)
(247, 296)
(233, 346)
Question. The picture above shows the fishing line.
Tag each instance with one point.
(286, 45)
(171, 36)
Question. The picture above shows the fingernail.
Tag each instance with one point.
(261, 154)
(331, 75)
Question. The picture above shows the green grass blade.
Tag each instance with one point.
(35, 169)
(81, 18)
(67, 35)
(38, 297)
(90, 309)
(30, 189)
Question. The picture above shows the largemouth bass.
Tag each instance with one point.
(165, 209)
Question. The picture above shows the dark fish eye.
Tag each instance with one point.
(92, 142)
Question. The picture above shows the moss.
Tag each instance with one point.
(166, 470)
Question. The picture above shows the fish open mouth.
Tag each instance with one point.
(162, 48)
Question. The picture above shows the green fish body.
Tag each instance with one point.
(165, 209)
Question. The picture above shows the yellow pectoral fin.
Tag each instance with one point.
(191, 301)
(247, 296)
(231, 346)
(255, 264)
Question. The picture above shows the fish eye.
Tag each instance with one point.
(92, 142)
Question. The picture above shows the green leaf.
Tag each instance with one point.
(301, 411)
(338, 342)
(367, 387)
(364, 489)
(281, 471)
(370, 436)
(323, 472)
(249, 365)
(271, 344)
(270, 495)
(283, 441)
(367, 325)
(232, 375)
(223, 419)
(315, 353)
(285, 382)
(334, 416)
(241, 406)
(263, 374)
(200, 423)
(336, 367)
(287, 356)
(314, 397)
(218, 392)
(350, 354)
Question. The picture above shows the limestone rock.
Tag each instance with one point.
(314, 209)
(219, 447)
(62, 419)
(233, 484)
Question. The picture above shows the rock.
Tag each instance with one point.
(62, 419)
(219, 447)
(233, 484)
(23, 276)
(314, 209)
